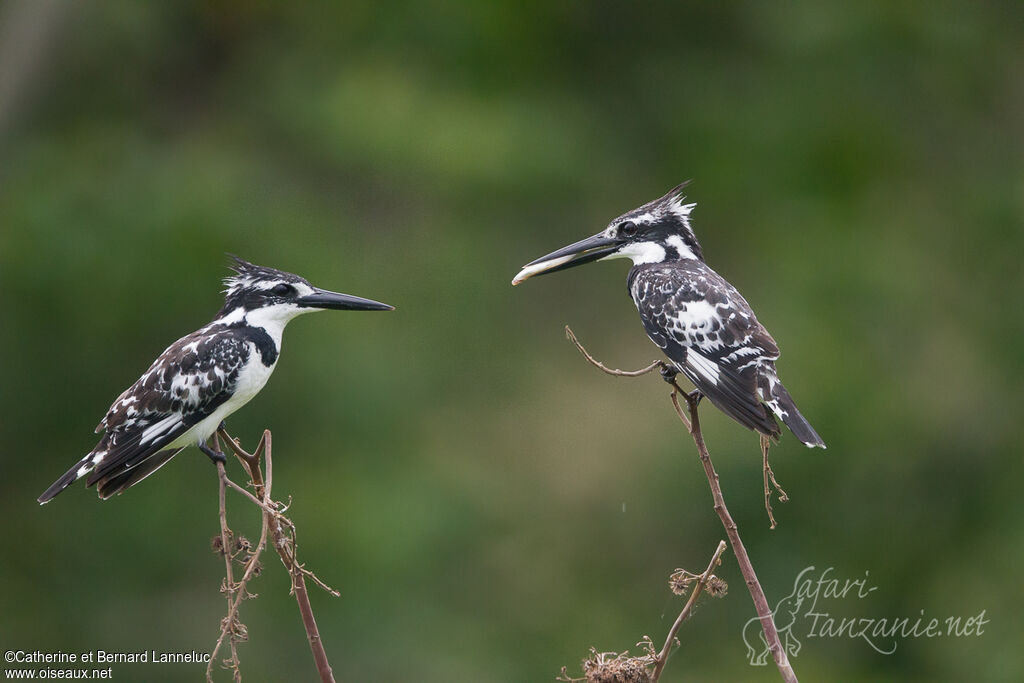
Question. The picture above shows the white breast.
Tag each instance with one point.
(252, 378)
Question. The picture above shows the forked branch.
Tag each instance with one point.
(648, 665)
(699, 585)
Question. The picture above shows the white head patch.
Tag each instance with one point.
(676, 242)
(681, 210)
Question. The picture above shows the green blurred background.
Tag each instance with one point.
(489, 505)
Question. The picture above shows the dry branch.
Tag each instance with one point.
(670, 640)
(282, 533)
(739, 550)
(620, 667)
(769, 481)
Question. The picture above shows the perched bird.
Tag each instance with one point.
(201, 379)
(699, 320)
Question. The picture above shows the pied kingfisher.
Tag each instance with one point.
(201, 379)
(697, 318)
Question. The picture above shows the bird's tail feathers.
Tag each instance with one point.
(116, 483)
(781, 403)
(78, 470)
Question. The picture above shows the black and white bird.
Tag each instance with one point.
(699, 320)
(201, 379)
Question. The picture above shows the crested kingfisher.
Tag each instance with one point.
(202, 378)
(692, 313)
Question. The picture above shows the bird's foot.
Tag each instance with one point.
(695, 396)
(668, 373)
(214, 456)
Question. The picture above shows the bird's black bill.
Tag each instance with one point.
(584, 251)
(341, 302)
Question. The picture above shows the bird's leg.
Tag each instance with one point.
(214, 456)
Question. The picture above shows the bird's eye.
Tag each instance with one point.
(627, 229)
(283, 290)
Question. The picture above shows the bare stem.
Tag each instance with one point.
(239, 591)
(743, 560)
(765, 468)
(227, 629)
(764, 612)
(769, 481)
(600, 366)
(702, 581)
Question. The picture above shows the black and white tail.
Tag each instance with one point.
(111, 475)
(78, 470)
(775, 396)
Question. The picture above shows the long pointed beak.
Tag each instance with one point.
(584, 251)
(321, 298)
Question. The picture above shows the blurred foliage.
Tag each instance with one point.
(488, 504)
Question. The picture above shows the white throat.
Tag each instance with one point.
(274, 318)
(639, 252)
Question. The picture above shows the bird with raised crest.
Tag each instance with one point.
(692, 313)
(201, 379)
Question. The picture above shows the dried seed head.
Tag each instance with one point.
(240, 633)
(217, 544)
(680, 581)
(609, 667)
(716, 587)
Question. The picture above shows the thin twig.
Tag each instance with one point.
(599, 365)
(783, 496)
(674, 396)
(683, 615)
(765, 467)
(769, 481)
(746, 568)
(228, 624)
(267, 506)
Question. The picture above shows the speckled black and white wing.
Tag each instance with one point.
(713, 337)
(150, 422)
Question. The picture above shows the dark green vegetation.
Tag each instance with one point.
(487, 503)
